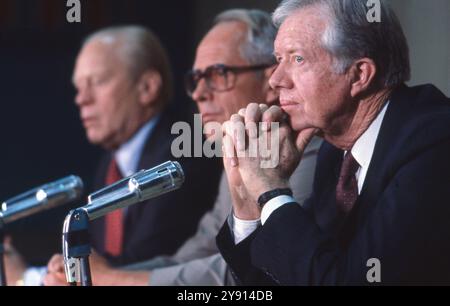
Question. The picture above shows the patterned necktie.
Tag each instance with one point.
(113, 220)
(347, 187)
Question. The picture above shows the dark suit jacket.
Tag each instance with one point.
(402, 216)
(160, 225)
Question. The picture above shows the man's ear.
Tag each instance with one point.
(271, 95)
(363, 73)
(149, 87)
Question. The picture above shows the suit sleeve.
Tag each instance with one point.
(208, 271)
(203, 243)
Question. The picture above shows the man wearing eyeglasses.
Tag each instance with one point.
(231, 69)
(223, 81)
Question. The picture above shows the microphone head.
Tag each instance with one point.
(159, 180)
(42, 198)
(64, 190)
(139, 187)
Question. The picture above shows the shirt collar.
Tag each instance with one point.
(128, 155)
(363, 149)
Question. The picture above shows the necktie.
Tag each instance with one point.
(347, 187)
(113, 220)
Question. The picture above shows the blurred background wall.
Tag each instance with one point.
(41, 138)
(427, 28)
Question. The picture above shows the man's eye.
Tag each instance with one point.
(299, 59)
(220, 71)
(98, 81)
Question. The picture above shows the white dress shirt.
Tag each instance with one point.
(362, 151)
(127, 158)
(129, 153)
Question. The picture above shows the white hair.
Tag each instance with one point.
(350, 36)
(141, 50)
(257, 49)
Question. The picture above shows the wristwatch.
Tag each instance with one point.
(267, 196)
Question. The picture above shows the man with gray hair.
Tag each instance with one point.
(123, 87)
(379, 209)
(232, 66)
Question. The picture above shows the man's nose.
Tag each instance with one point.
(202, 92)
(84, 96)
(280, 78)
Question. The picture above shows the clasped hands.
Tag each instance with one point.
(245, 135)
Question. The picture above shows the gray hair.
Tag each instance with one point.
(350, 36)
(141, 50)
(258, 47)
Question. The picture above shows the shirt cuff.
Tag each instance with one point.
(34, 276)
(273, 205)
(242, 228)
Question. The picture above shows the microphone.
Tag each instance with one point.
(41, 198)
(139, 187)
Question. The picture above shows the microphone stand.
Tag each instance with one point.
(77, 248)
(2, 253)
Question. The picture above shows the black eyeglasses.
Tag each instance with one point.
(218, 77)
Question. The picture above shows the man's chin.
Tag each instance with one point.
(99, 141)
(304, 137)
(300, 126)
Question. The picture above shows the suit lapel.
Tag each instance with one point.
(156, 147)
(382, 165)
(154, 151)
(327, 173)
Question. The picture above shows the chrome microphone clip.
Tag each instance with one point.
(76, 247)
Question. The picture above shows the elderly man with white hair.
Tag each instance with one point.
(380, 205)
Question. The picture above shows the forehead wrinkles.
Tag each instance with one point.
(215, 51)
(303, 29)
(223, 42)
(98, 56)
